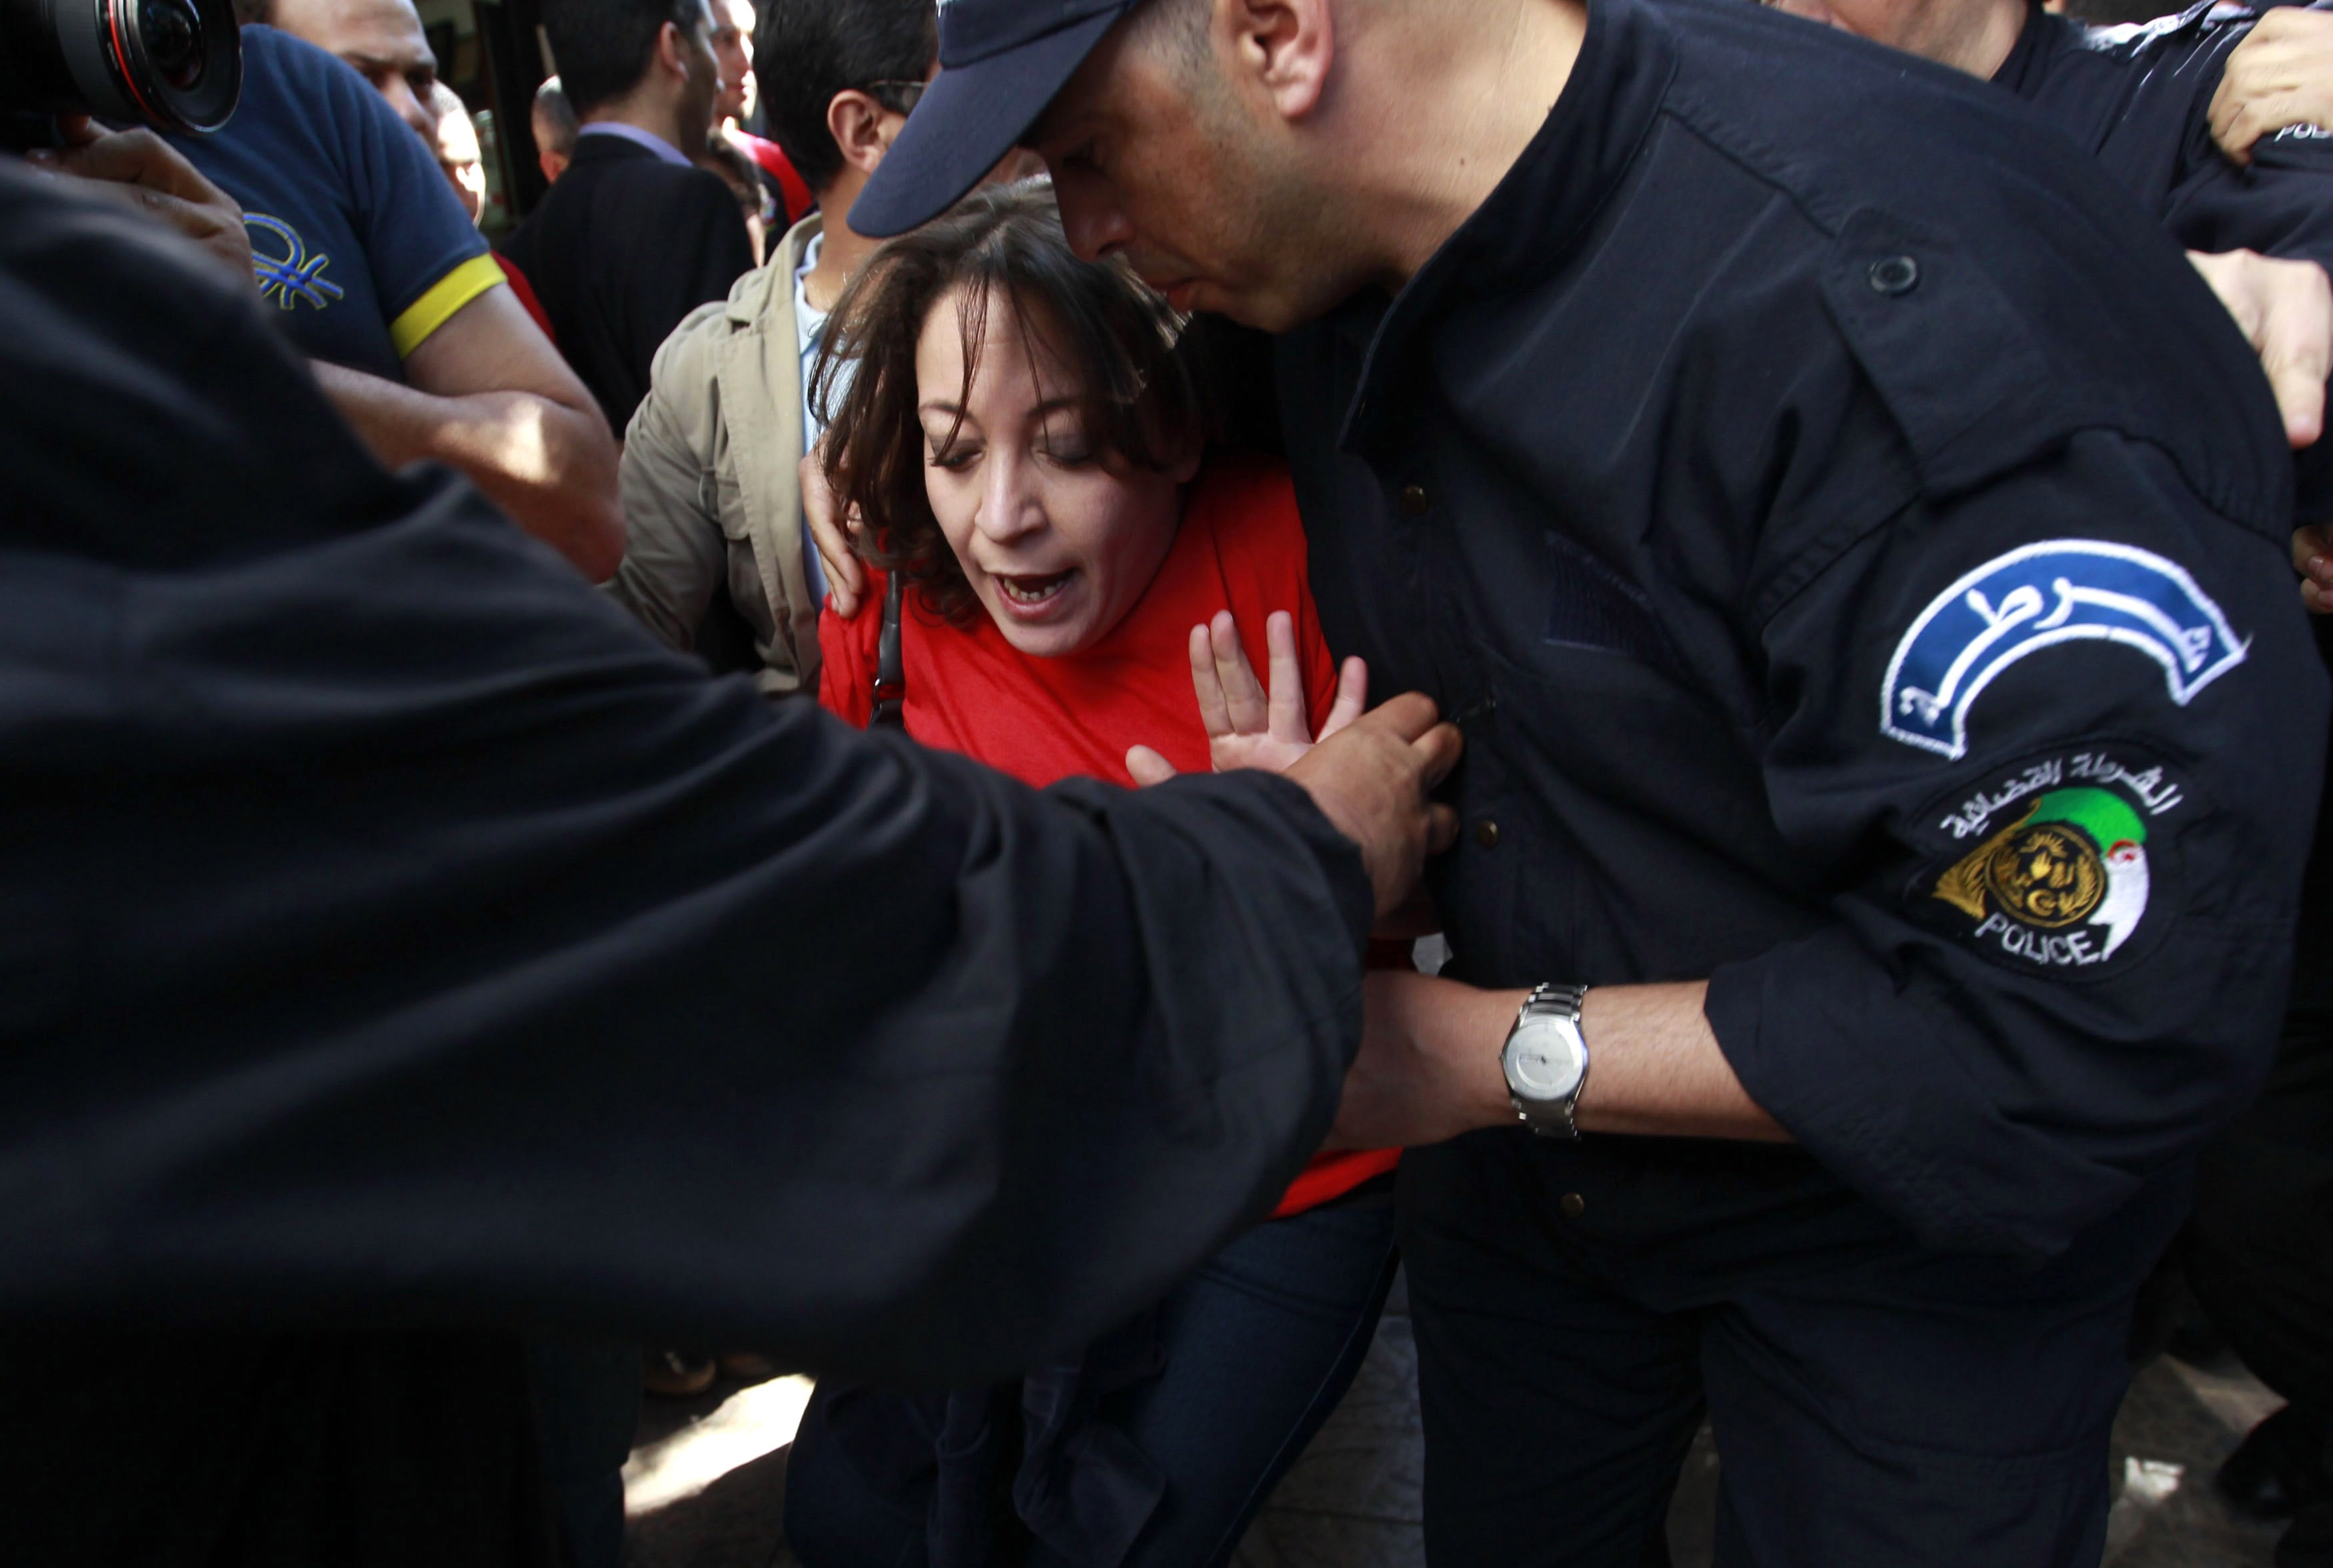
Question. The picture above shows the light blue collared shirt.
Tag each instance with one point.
(647, 138)
(810, 331)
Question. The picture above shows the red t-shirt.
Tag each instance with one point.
(524, 292)
(1241, 548)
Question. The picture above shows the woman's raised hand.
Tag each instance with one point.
(1248, 726)
(833, 528)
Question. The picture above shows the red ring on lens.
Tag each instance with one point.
(121, 63)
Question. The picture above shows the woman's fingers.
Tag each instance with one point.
(1244, 696)
(1147, 766)
(830, 529)
(1232, 703)
(1285, 704)
(1352, 696)
(1208, 685)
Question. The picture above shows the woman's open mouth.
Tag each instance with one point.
(1030, 596)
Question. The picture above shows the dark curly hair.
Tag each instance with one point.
(1142, 402)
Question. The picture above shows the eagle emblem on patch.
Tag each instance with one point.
(2065, 884)
(2061, 860)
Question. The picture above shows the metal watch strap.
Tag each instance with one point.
(1549, 1000)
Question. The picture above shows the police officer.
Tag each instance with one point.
(1890, 729)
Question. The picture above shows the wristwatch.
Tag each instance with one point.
(1545, 1059)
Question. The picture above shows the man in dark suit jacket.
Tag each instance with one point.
(634, 237)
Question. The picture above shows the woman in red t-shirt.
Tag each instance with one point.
(1022, 438)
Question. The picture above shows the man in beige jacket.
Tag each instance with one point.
(712, 500)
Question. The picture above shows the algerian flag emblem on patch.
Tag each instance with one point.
(2064, 884)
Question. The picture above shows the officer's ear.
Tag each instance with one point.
(1283, 47)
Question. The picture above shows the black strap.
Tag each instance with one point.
(890, 674)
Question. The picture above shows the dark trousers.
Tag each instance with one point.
(1577, 1313)
(1258, 1347)
(2259, 1249)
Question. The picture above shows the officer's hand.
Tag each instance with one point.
(2285, 310)
(1371, 780)
(831, 528)
(2313, 557)
(141, 171)
(2281, 75)
(1428, 1068)
(1414, 917)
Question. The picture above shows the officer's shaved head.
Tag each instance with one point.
(1175, 30)
(1160, 151)
(1267, 162)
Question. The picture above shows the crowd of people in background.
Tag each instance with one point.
(982, 482)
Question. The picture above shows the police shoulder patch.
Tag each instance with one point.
(2041, 595)
(2060, 863)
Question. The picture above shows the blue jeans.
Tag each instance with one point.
(1258, 1347)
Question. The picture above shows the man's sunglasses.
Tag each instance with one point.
(898, 97)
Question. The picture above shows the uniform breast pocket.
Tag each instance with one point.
(1643, 821)
(1590, 608)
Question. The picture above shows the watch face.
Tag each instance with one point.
(1543, 1062)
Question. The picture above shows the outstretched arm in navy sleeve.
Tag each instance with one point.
(395, 929)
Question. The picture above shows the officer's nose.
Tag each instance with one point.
(1096, 224)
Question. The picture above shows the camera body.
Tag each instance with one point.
(172, 64)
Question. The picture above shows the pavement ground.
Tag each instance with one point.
(706, 1485)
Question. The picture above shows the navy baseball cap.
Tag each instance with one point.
(1000, 62)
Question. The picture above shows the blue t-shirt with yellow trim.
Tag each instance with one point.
(356, 237)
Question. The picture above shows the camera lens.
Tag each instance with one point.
(183, 61)
(172, 32)
(172, 64)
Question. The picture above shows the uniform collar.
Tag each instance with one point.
(2028, 59)
(1536, 216)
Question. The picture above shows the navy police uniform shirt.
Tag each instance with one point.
(360, 248)
(1845, 604)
